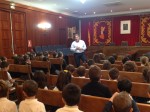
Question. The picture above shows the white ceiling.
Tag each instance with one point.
(100, 7)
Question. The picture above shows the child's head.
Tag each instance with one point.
(3, 89)
(40, 78)
(111, 59)
(30, 88)
(122, 102)
(144, 60)
(81, 71)
(106, 65)
(90, 62)
(63, 79)
(124, 85)
(5, 65)
(94, 73)
(71, 94)
(130, 66)
(114, 73)
(70, 68)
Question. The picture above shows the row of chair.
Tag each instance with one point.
(123, 43)
(54, 98)
(62, 48)
(142, 91)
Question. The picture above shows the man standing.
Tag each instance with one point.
(78, 47)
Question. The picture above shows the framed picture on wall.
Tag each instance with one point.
(125, 27)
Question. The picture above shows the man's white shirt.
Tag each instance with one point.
(81, 44)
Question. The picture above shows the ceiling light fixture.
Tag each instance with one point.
(83, 1)
(44, 25)
(12, 5)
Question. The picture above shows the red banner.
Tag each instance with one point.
(145, 30)
(102, 32)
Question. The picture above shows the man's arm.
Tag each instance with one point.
(73, 48)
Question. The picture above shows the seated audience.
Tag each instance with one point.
(96, 58)
(115, 56)
(111, 59)
(61, 56)
(63, 79)
(70, 68)
(41, 79)
(94, 87)
(31, 104)
(130, 66)
(106, 65)
(124, 85)
(90, 62)
(81, 71)
(5, 104)
(71, 97)
(125, 59)
(144, 61)
(5, 67)
(121, 102)
(102, 56)
(146, 75)
(113, 73)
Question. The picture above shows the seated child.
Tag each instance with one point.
(5, 67)
(5, 104)
(31, 104)
(71, 97)
(122, 102)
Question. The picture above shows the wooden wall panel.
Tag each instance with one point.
(5, 34)
(25, 27)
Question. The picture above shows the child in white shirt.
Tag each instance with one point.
(5, 104)
(31, 104)
(71, 97)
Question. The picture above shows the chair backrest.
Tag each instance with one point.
(20, 69)
(132, 76)
(38, 49)
(57, 61)
(124, 43)
(86, 104)
(10, 61)
(41, 64)
(44, 48)
(50, 97)
(138, 44)
(140, 68)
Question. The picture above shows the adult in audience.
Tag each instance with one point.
(71, 97)
(130, 66)
(31, 104)
(78, 47)
(106, 65)
(81, 70)
(94, 87)
(5, 104)
(113, 74)
(63, 79)
(121, 102)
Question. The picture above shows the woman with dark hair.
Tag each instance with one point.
(63, 79)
